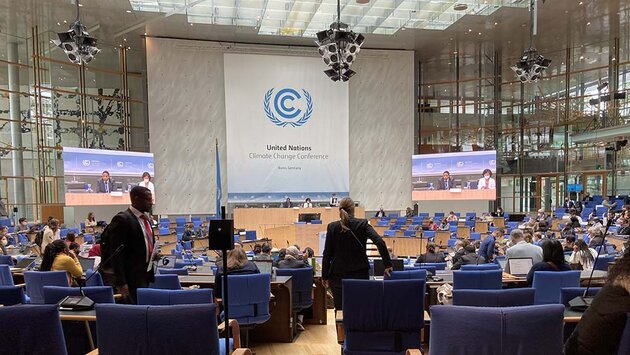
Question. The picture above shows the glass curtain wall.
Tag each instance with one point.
(471, 100)
(46, 103)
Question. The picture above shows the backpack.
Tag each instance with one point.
(39, 237)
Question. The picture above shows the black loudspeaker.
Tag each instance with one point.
(221, 234)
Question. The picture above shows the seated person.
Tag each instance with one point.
(57, 256)
(307, 203)
(264, 254)
(444, 226)
(75, 248)
(392, 256)
(602, 325)
(567, 231)
(22, 226)
(90, 221)
(237, 264)
(460, 244)
(380, 213)
(95, 250)
(4, 242)
(292, 259)
(583, 256)
(409, 212)
(624, 229)
(70, 238)
(431, 225)
(446, 182)
(569, 242)
(595, 236)
(469, 257)
(553, 259)
(452, 217)
(432, 255)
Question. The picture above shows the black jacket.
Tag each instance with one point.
(130, 265)
(442, 186)
(469, 257)
(600, 329)
(345, 252)
(431, 258)
(291, 264)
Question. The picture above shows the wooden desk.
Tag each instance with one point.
(423, 195)
(616, 241)
(257, 218)
(481, 226)
(95, 199)
(498, 221)
(280, 328)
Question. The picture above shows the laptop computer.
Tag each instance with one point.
(379, 268)
(264, 266)
(520, 266)
(24, 264)
(86, 263)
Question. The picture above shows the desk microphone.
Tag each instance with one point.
(83, 303)
(581, 303)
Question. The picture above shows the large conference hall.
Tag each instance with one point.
(314, 177)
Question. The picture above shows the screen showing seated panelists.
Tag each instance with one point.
(105, 177)
(454, 176)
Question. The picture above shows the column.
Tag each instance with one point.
(17, 156)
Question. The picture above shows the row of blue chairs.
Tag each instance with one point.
(121, 329)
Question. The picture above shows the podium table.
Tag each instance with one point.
(263, 219)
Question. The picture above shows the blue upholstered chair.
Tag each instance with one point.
(150, 296)
(6, 279)
(624, 345)
(34, 329)
(437, 266)
(248, 300)
(6, 260)
(382, 317)
(11, 295)
(36, 280)
(478, 279)
(88, 238)
(180, 221)
(302, 286)
(509, 328)
(93, 280)
(173, 271)
(494, 298)
(549, 283)
(166, 282)
(250, 235)
(569, 293)
(409, 233)
(98, 294)
(140, 329)
(389, 233)
(164, 230)
(490, 266)
(428, 234)
(419, 274)
(602, 262)
(475, 236)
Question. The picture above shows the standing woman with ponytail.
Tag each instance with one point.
(344, 251)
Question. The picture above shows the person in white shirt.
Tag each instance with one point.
(583, 255)
(334, 202)
(51, 233)
(307, 203)
(486, 182)
(146, 182)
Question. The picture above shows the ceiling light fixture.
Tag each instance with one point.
(531, 65)
(339, 47)
(79, 46)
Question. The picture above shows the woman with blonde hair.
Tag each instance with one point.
(237, 264)
(344, 250)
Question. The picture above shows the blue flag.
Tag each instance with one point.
(218, 197)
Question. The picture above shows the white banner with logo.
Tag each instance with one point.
(287, 129)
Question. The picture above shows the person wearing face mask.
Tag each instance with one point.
(22, 226)
(486, 182)
(146, 183)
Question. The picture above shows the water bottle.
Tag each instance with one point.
(408, 261)
(273, 273)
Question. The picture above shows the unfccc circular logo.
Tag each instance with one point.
(288, 107)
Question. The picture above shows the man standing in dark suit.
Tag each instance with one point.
(132, 268)
(105, 184)
(446, 182)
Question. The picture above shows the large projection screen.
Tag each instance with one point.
(287, 129)
(454, 176)
(84, 169)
